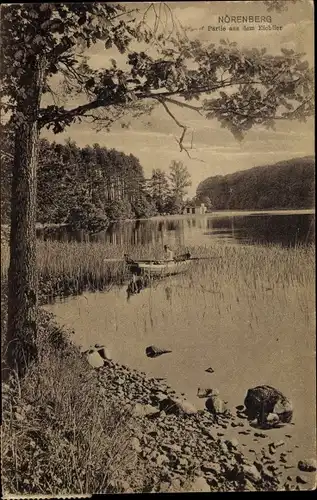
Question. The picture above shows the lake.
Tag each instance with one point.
(282, 228)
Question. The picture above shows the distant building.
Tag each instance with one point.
(199, 209)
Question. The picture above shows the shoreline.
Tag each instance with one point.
(273, 211)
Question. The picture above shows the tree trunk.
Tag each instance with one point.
(22, 276)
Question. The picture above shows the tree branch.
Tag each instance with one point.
(184, 105)
(180, 125)
(287, 116)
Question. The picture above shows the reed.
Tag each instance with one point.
(71, 267)
(66, 268)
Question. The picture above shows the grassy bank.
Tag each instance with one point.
(59, 433)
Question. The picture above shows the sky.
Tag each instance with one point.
(153, 138)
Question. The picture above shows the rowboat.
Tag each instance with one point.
(159, 268)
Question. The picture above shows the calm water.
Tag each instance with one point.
(287, 229)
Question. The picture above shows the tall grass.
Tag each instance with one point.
(60, 435)
(65, 267)
(75, 266)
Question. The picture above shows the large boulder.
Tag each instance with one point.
(263, 400)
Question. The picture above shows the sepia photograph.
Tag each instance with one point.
(158, 311)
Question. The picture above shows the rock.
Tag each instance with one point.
(161, 459)
(140, 410)
(183, 462)
(136, 445)
(272, 449)
(211, 467)
(262, 400)
(272, 420)
(241, 415)
(210, 370)
(164, 487)
(232, 443)
(260, 434)
(276, 444)
(175, 485)
(252, 473)
(212, 481)
(200, 485)
(172, 448)
(215, 405)
(254, 422)
(94, 359)
(205, 393)
(248, 486)
(223, 447)
(177, 406)
(153, 455)
(308, 465)
(153, 351)
(268, 473)
(158, 397)
(103, 352)
(301, 480)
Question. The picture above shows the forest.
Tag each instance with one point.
(287, 184)
(88, 187)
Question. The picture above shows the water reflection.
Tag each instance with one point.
(282, 229)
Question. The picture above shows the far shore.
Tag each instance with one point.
(236, 213)
(215, 213)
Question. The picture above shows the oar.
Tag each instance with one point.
(204, 258)
(114, 260)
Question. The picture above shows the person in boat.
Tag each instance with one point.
(128, 259)
(168, 253)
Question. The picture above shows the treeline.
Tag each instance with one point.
(92, 184)
(288, 184)
(88, 187)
